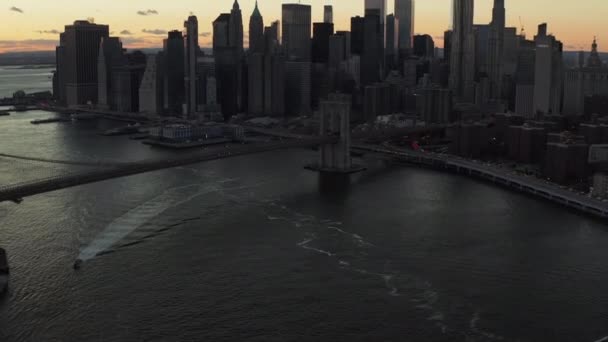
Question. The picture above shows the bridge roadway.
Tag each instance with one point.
(18, 191)
(525, 184)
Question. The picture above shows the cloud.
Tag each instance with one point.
(205, 34)
(28, 45)
(148, 12)
(126, 32)
(154, 31)
(49, 31)
(134, 41)
(16, 9)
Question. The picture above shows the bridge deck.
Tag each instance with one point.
(18, 191)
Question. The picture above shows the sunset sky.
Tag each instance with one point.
(35, 24)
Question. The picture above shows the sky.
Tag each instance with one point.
(30, 25)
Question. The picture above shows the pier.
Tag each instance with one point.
(49, 120)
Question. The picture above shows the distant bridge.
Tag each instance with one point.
(105, 171)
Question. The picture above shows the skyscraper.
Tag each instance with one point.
(392, 40)
(271, 36)
(548, 71)
(174, 94)
(405, 12)
(320, 41)
(297, 88)
(337, 49)
(227, 65)
(328, 14)
(256, 31)
(191, 53)
(236, 27)
(221, 27)
(79, 54)
(357, 29)
(255, 86)
(372, 57)
(379, 5)
(150, 90)
(274, 84)
(110, 56)
(424, 46)
(496, 49)
(296, 31)
(462, 68)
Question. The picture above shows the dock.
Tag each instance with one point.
(187, 145)
(49, 120)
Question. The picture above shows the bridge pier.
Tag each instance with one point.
(334, 121)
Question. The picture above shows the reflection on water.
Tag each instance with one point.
(257, 248)
(13, 78)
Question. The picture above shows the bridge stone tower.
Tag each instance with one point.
(335, 122)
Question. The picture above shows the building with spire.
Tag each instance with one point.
(236, 27)
(255, 64)
(594, 60)
(496, 49)
(584, 81)
(256, 31)
(462, 59)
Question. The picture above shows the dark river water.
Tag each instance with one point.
(26, 78)
(256, 248)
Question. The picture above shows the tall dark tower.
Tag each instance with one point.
(191, 55)
(79, 53)
(236, 27)
(174, 92)
(296, 31)
(256, 31)
(495, 49)
(462, 67)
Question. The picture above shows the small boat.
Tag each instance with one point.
(77, 264)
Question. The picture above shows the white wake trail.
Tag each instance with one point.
(137, 217)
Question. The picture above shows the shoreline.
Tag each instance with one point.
(446, 163)
(546, 191)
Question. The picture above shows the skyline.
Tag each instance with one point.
(143, 24)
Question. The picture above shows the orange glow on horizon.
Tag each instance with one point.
(36, 27)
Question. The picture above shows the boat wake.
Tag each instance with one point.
(135, 218)
(487, 335)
